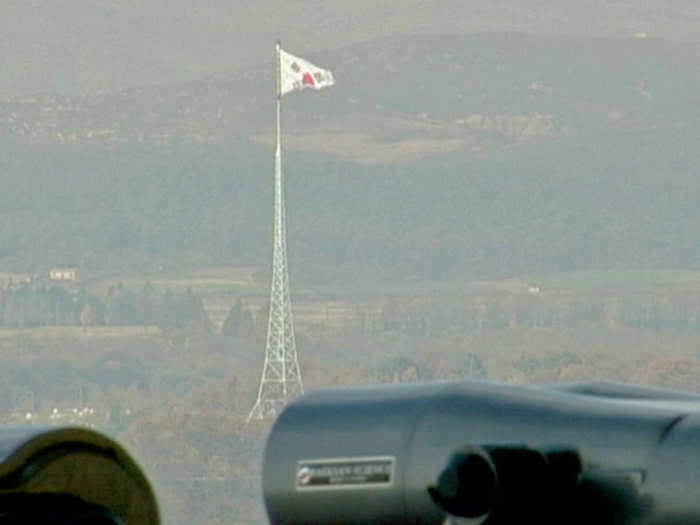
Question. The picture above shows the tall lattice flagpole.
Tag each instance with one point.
(281, 376)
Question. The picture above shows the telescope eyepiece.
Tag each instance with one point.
(510, 483)
(466, 488)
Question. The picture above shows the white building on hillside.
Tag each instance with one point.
(63, 274)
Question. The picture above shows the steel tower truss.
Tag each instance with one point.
(281, 376)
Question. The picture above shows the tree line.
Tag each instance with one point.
(676, 311)
(25, 305)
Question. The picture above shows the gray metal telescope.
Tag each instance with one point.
(478, 453)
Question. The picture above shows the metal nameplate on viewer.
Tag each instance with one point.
(345, 473)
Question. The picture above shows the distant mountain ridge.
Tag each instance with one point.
(85, 46)
(432, 158)
(423, 95)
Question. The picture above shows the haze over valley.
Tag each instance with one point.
(491, 190)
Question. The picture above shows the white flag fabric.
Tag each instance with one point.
(298, 74)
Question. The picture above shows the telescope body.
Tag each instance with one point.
(602, 453)
(55, 476)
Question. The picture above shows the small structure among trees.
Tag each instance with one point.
(63, 274)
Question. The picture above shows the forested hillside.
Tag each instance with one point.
(433, 158)
(86, 46)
